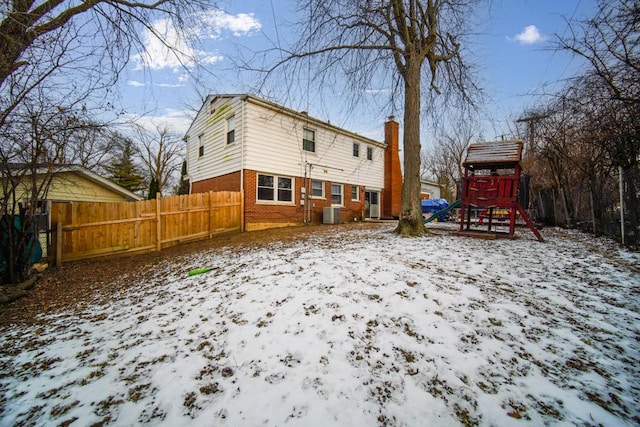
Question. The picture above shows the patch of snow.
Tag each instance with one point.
(360, 327)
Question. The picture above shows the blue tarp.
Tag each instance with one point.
(431, 206)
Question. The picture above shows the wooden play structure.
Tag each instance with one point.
(491, 179)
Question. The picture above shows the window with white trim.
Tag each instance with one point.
(355, 193)
(231, 129)
(272, 188)
(317, 189)
(336, 194)
(369, 153)
(200, 145)
(356, 149)
(309, 140)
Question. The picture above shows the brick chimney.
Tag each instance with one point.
(392, 193)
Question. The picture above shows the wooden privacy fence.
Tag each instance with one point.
(87, 229)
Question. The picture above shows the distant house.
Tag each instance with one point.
(73, 183)
(292, 168)
(429, 190)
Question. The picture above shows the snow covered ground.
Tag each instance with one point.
(349, 327)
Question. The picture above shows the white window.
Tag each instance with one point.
(275, 188)
(309, 140)
(317, 189)
(231, 129)
(369, 153)
(336, 194)
(355, 193)
(356, 149)
(200, 145)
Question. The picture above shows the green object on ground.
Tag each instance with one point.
(199, 271)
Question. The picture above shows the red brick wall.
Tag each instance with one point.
(351, 211)
(392, 193)
(275, 213)
(228, 182)
(264, 215)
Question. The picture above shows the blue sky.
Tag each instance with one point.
(511, 49)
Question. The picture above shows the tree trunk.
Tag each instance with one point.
(410, 223)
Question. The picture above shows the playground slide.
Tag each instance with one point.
(443, 211)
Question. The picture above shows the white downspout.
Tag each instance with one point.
(242, 141)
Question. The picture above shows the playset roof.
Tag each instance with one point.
(485, 155)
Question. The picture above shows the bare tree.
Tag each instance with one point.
(444, 160)
(51, 40)
(609, 43)
(393, 42)
(73, 52)
(30, 145)
(161, 154)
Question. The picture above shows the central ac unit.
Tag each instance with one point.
(331, 215)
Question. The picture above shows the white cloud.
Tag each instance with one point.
(377, 91)
(529, 35)
(239, 25)
(177, 121)
(135, 83)
(170, 85)
(183, 53)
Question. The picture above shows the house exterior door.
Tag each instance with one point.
(372, 204)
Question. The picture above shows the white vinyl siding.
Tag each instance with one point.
(209, 131)
(273, 144)
(270, 141)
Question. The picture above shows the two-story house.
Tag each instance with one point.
(289, 165)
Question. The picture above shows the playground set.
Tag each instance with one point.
(491, 178)
(490, 187)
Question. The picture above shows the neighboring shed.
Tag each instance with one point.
(74, 183)
(491, 179)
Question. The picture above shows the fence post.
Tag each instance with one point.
(242, 210)
(58, 244)
(158, 226)
(210, 213)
